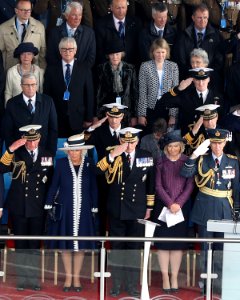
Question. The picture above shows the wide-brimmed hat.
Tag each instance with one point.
(25, 47)
(200, 73)
(31, 132)
(172, 137)
(208, 111)
(129, 134)
(115, 109)
(76, 142)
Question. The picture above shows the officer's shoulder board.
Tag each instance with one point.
(232, 156)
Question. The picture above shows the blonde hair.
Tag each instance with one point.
(159, 43)
(181, 144)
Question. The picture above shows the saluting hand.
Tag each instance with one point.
(197, 126)
(17, 144)
(185, 83)
(118, 150)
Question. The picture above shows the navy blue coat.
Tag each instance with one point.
(207, 207)
(77, 219)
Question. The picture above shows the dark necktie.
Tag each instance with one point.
(32, 155)
(160, 33)
(30, 106)
(115, 135)
(201, 98)
(67, 74)
(199, 39)
(23, 32)
(217, 164)
(129, 160)
(121, 29)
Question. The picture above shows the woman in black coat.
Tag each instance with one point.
(117, 83)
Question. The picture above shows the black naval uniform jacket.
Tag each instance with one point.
(26, 195)
(187, 101)
(128, 199)
(225, 178)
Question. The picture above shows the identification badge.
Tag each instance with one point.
(66, 95)
(118, 100)
(59, 21)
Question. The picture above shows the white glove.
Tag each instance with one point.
(202, 149)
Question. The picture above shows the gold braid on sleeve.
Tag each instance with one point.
(112, 171)
(198, 141)
(22, 170)
(205, 177)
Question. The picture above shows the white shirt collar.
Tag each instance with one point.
(204, 94)
(157, 28)
(219, 158)
(35, 151)
(115, 20)
(33, 98)
(112, 130)
(70, 28)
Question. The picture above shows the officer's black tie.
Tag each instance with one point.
(32, 155)
(217, 163)
(201, 98)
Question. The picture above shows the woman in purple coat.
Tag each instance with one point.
(75, 184)
(172, 192)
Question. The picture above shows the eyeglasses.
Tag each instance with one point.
(28, 85)
(25, 10)
(67, 49)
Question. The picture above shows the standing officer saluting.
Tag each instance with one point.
(31, 167)
(129, 172)
(217, 177)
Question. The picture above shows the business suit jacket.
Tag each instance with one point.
(35, 34)
(187, 101)
(26, 196)
(106, 32)
(127, 200)
(207, 207)
(85, 39)
(17, 115)
(80, 106)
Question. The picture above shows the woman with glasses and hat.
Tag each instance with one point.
(172, 194)
(25, 52)
(74, 185)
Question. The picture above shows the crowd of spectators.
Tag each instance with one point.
(101, 66)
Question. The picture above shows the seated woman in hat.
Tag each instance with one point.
(25, 52)
(74, 185)
(172, 192)
(117, 82)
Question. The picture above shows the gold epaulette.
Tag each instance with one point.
(103, 164)
(232, 156)
(150, 200)
(188, 138)
(171, 91)
(7, 158)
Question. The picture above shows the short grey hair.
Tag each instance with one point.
(198, 52)
(29, 75)
(71, 5)
(67, 40)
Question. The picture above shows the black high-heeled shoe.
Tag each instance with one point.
(77, 289)
(175, 290)
(167, 291)
(66, 289)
